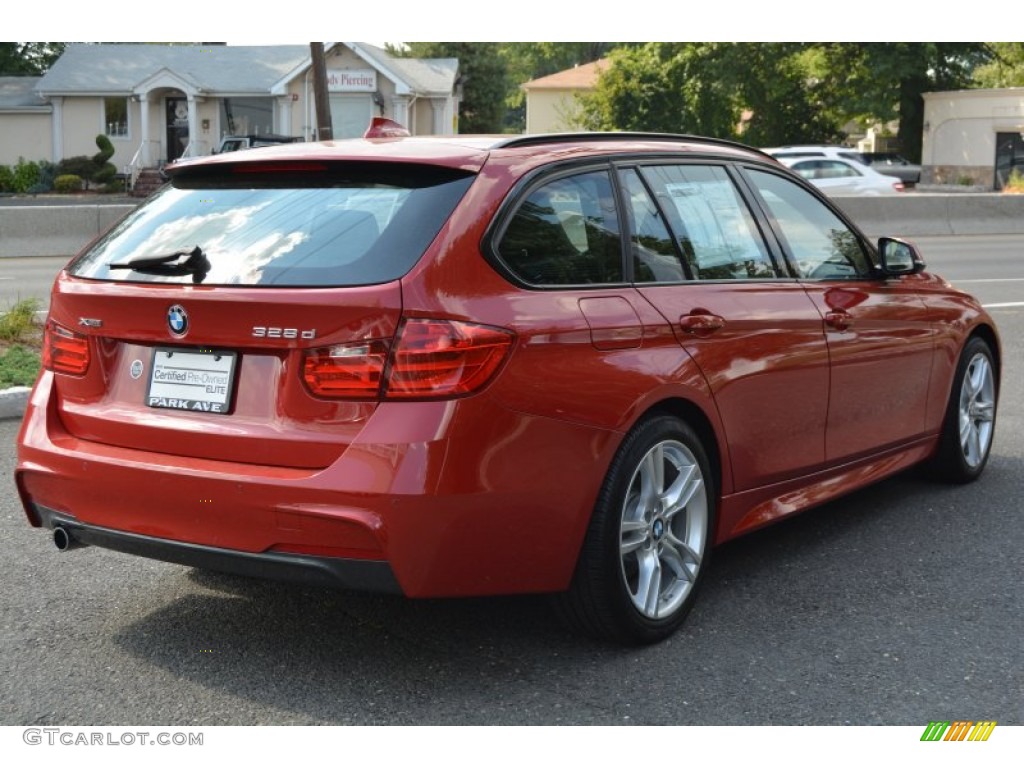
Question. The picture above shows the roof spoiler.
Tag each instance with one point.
(382, 128)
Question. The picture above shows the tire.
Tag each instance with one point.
(646, 549)
(970, 420)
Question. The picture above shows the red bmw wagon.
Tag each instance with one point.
(475, 366)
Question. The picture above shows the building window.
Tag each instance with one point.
(246, 116)
(115, 116)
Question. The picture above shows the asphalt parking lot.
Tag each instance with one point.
(897, 605)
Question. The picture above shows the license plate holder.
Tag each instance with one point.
(191, 380)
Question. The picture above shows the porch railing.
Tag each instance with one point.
(134, 167)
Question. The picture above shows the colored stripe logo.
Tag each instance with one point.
(958, 730)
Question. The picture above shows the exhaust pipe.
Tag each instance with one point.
(63, 539)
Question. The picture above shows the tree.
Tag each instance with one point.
(878, 82)
(28, 58)
(789, 92)
(484, 81)
(672, 87)
(783, 99)
(1004, 70)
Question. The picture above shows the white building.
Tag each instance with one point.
(161, 102)
(973, 137)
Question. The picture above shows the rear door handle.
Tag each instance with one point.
(839, 320)
(701, 324)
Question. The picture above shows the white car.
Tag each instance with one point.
(817, 150)
(842, 178)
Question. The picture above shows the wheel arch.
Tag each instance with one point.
(694, 415)
(988, 334)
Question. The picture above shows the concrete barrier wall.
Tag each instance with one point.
(923, 214)
(63, 230)
(54, 230)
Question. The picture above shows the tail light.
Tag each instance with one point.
(429, 359)
(441, 358)
(898, 186)
(346, 370)
(65, 351)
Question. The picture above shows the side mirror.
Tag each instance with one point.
(899, 257)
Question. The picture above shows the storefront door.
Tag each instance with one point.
(177, 127)
(1009, 155)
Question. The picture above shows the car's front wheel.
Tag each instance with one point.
(970, 416)
(648, 543)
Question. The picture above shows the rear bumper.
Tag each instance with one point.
(442, 499)
(347, 573)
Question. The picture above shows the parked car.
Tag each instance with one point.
(892, 164)
(235, 143)
(818, 150)
(476, 366)
(838, 178)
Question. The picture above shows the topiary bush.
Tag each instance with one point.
(6, 178)
(67, 183)
(105, 171)
(79, 165)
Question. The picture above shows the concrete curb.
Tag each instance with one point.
(13, 402)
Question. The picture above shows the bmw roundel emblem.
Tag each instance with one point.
(177, 320)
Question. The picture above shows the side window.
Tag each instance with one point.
(833, 169)
(566, 232)
(654, 255)
(715, 231)
(821, 245)
(811, 169)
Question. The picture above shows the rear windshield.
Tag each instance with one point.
(334, 226)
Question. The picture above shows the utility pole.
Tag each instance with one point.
(324, 129)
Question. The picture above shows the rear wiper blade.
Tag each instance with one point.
(195, 264)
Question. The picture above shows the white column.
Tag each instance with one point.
(284, 115)
(449, 116)
(193, 124)
(57, 128)
(146, 159)
(400, 111)
(437, 106)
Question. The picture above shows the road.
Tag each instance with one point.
(897, 605)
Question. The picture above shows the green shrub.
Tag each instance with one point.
(6, 178)
(18, 324)
(1015, 183)
(79, 165)
(105, 170)
(26, 175)
(47, 175)
(19, 367)
(68, 182)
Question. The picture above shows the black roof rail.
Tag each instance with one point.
(535, 139)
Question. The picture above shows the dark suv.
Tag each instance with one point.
(477, 366)
(892, 164)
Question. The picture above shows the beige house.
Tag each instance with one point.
(551, 104)
(973, 137)
(161, 102)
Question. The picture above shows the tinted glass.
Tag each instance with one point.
(344, 227)
(654, 256)
(715, 230)
(821, 245)
(566, 232)
(824, 169)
